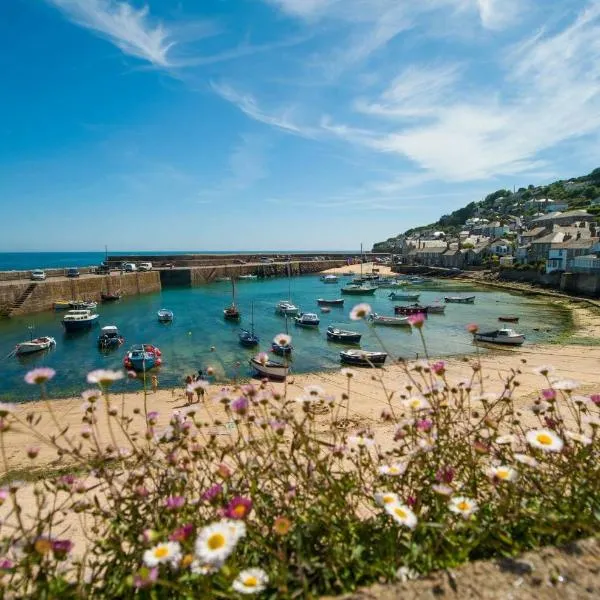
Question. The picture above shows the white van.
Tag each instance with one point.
(145, 266)
(129, 267)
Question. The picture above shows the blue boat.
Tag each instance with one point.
(142, 357)
(248, 338)
(77, 320)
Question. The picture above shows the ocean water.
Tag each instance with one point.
(199, 325)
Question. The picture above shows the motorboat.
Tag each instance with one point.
(407, 297)
(62, 305)
(271, 368)
(76, 320)
(362, 358)
(248, 277)
(348, 274)
(325, 302)
(307, 320)
(34, 345)
(285, 307)
(390, 321)
(110, 296)
(142, 357)
(459, 299)
(508, 319)
(164, 315)
(505, 336)
(358, 290)
(343, 336)
(232, 312)
(415, 309)
(110, 338)
(83, 305)
(281, 349)
(393, 284)
(436, 309)
(329, 278)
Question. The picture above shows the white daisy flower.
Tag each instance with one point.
(250, 581)
(314, 391)
(442, 489)
(167, 552)
(506, 439)
(463, 506)
(402, 514)
(525, 459)
(394, 470)
(282, 339)
(544, 370)
(199, 568)
(360, 311)
(416, 403)
(104, 376)
(216, 542)
(567, 385)
(361, 440)
(237, 527)
(385, 498)
(544, 439)
(405, 574)
(578, 437)
(502, 473)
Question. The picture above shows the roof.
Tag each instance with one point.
(558, 216)
(501, 241)
(435, 250)
(534, 232)
(551, 238)
(577, 243)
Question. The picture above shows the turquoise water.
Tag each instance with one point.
(199, 324)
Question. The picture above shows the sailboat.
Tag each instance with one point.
(285, 307)
(248, 338)
(282, 349)
(359, 289)
(232, 313)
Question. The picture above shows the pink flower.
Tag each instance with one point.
(6, 564)
(174, 502)
(262, 358)
(238, 508)
(595, 398)
(445, 475)
(33, 451)
(4, 494)
(278, 426)
(439, 367)
(472, 328)
(360, 311)
(213, 492)
(104, 377)
(182, 533)
(152, 417)
(40, 376)
(61, 548)
(549, 394)
(424, 425)
(240, 405)
(145, 577)
(417, 320)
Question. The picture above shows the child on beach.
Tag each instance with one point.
(189, 392)
(154, 383)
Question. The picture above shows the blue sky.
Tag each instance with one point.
(285, 124)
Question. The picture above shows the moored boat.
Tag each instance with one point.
(270, 368)
(165, 315)
(509, 319)
(505, 336)
(362, 358)
(248, 338)
(248, 277)
(436, 309)
(415, 309)
(76, 320)
(459, 299)
(142, 357)
(232, 312)
(389, 321)
(343, 336)
(407, 297)
(307, 320)
(329, 278)
(358, 290)
(110, 296)
(325, 302)
(34, 345)
(83, 304)
(62, 305)
(110, 337)
(285, 307)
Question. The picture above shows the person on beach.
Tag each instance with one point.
(189, 392)
(154, 383)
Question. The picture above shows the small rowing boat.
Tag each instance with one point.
(459, 299)
(362, 358)
(325, 302)
(389, 321)
(504, 336)
(404, 297)
(270, 368)
(165, 315)
(343, 336)
(509, 319)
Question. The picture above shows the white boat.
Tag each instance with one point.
(391, 321)
(248, 277)
(307, 320)
(76, 320)
(329, 278)
(35, 345)
(505, 336)
(284, 307)
(270, 368)
(83, 305)
(392, 284)
(165, 315)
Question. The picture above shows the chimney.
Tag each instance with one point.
(578, 235)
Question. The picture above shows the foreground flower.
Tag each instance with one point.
(416, 403)
(199, 568)
(544, 439)
(402, 514)
(250, 581)
(578, 437)
(5, 409)
(384, 498)
(39, 376)
(361, 440)
(145, 577)
(360, 311)
(439, 367)
(544, 370)
(104, 377)
(525, 459)
(502, 473)
(417, 320)
(216, 542)
(472, 328)
(168, 552)
(567, 385)
(262, 358)
(282, 339)
(463, 506)
(442, 489)
(394, 470)
(238, 508)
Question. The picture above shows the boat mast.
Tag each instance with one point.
(361, 262)
(252, 316)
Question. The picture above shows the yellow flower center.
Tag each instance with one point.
(394, 470)
(502, 474)
(239, 510)
(161, 552)
(216, 541)
(400, 513)
(544, 439)
(250, 581)
(463, 506)
(388, 499)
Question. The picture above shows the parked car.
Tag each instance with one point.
(145, 266)
(72, 272)
(38, 275)
(129, 267)
(102, 269)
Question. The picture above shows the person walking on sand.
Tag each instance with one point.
(189, 392)
(154, 383)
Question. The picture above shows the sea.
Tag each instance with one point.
(199, 337)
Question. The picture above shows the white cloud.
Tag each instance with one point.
(129, 29)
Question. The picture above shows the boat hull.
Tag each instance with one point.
(363, 359)
(37, 345)
(358, 291)
(271, 369)
(343, 337)
(389, 321)
(324, 302)
(248, 340)
(509, 319)
(491, 338)
(80, 325)
(404, 297)
(410, 310)
(436, 309)
(457, 300)
(281, 350)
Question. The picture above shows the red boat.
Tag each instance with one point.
(415, 309)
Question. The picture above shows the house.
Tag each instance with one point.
(476, 255)
(528, 236)
(540, 247)
(560, 255)
(453, 258)
(587, 263)
(501, 247)
(507, 261)
(563, 218)
(428, 256)
(557, 207)
(522, 254)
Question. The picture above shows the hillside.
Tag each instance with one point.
(578, 192)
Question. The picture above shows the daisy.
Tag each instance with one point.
(349, 373)
(385, 498)
(39, 376)
(402, 514)
(525, 459)
(544, 439)
(416, 403)
(578, 437)
(463, 506)
(567, 385)
(394, 470)
(502, 473)
(442, 489)
(361, 440)
(262, 358)
(506, 439)
(104, 377)
(238, 508)
(91, 396)
(237, 529)
(544, 370)
(199, 568)
(250, 581)
(417, 320)
(314, 391)
(216, 542)
(282, 339)
(167, 552)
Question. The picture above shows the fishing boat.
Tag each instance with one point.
(284, 307)
(348, 274)
(222, 279)
(76, 320)
(83, 304)
(271, 368)
(165, 315)
(509, 319)
(110, 338)
(142, 357)
(62, 305)
(34, 344)
(436, 309)
(307, 320)
(358, 290)
(419, 280)
(343, 336)
(404, 297)
(232, 313)
(459, 299)
(362, 358)
(329, 278)
(110, 296)
(248, 338)
(389, 321)
(505, 336)
(415, 309)
(248, 277)
(325, 302)
(393, 284)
